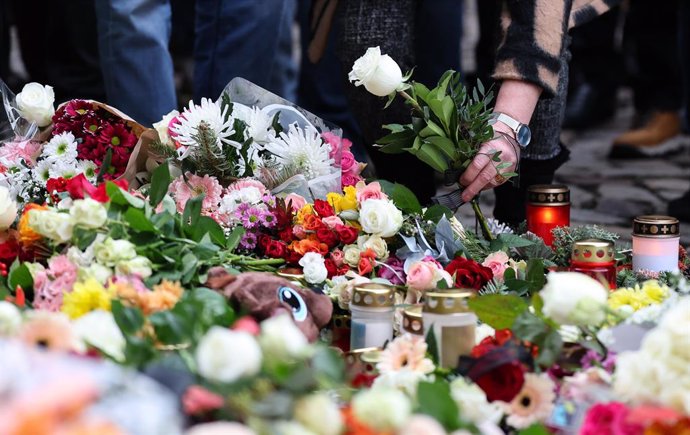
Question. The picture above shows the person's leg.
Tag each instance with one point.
(137, 68)
(439, 30)
(244, 38)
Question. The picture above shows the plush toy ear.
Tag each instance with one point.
(218, 278)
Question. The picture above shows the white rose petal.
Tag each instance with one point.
(224, 355)
(140, 266)
(471, 401)
(220, 428)
(98, 329)
(380, 217)
(318, 413)
(10, 319)
(378, 245)
(572, 298)
(35, 103)
(51, 224)
(110, 252)
(162, 127)
(88, 213)
(8, 209)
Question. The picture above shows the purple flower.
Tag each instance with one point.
(594, 359)
(392, 270)
(248, 241)
(249, 216)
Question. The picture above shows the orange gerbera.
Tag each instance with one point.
(27, 236)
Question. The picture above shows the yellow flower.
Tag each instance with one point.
(85, 297)
(349, 201)
(651, 292)
(655, 291)
(625, 297)
(304, 211)
(334, 199)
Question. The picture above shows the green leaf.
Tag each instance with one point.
(432, 157)
(402, 197)
(530, 328)
(130, 320)
(432, 346)
(497, 310)
(436, 212)
(535, 429)
(397, 141)
(207, 225)
(192, 211)
(445, 145)
(170, 329)
(83, 237)
(234, 238)
(550, 348)
(535, 275)
(122, 197)
(329, 364)
(105, 165)
(435, 401)
(139, 351)
(160, 182)
(19, 275)
(138, 221)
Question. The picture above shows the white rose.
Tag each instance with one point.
(35, 103)
(162, 127)
(51, 224)
(98, 329)
(403, 380)
(110, 252)
(140, 266)
(472, 403)
(281, 338)
(96, 271)
(220, 428)
(378, 245)
(572, 298)
(482, 331)
(380, 217)
(677, 321)
(314, 268)
(8, 209)
(379, 74)
(290, 428)
(88, 213)
(382, 409)
(351, 255)
(10, 319)
(318, 413)
(224, 355)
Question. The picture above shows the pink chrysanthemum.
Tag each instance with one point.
(407, 352)
(194, 186)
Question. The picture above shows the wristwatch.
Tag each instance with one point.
(523, 135)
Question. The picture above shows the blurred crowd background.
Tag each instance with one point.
(147, 57)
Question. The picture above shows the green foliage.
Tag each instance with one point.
(19, 275)
(434, 400)
(532, 281)
(496, 310)
(564, 237)
(541, 332)
(402, 196)
(160, 182)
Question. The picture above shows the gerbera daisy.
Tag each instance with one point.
(533, 403)
(407, 352)
(184, 190)
(303, 149)
(187, 125)
(50, 330)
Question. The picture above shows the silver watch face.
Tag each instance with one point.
(523, 135)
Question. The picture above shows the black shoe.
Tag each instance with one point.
(589, 107)
(680, 207)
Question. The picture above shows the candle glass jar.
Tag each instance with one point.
(595, 257)
(447, 314)
(548, 207)
(412, 320)
(372, 315)
(341, 330)
(655, 243)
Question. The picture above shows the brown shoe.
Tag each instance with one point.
(661, 135)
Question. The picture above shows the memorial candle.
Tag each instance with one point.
(655, 240)
(548, 207)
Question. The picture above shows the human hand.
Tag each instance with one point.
(481, 174)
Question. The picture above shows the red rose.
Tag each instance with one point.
(346, 234)
(327, 236)
(469, 273)
(293, 257)
(323, 208)
(79, 186)
(331, 268)
(276, 249)
(503, 382)
(286, 235)
(9, 251)
(263, 241)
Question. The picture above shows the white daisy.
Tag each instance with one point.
(61, 147)
(88, 168)
(41, 173)
(208, 113)
(64, 169)
(259, 124)
(303, 149)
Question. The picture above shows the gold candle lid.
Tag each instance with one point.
(450, 301)
(290, 273)
(373, 295)
(592, 251)
(548, 194)
(412, 320)
(360, 355)
(656, 226)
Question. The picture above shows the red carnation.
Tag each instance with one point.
(469, 273)
(327, 236)
(276, 249)
(346, 234)
(323, 208)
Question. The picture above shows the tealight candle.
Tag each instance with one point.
(548, 207)
(447, 313)
(372, 315)
(655, 243)
(594, 257)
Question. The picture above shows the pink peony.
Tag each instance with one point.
(332, 221)
(369, 191)
(609, 418)
(295, 201)
(248, 182)
(497, 262)
(194, 186)
(13, 153)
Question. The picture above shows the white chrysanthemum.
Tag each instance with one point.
(252, 156)
(41, 172)
(62, 146)
(303, 149)
(207, 112)
(259, 124)
(64, 169)
(88, 168)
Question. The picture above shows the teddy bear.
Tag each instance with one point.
(264, 295)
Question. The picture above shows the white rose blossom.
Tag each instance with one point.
(280, 338)
(98, 329)
(351, 255)
(140, 266)
(226, 356)
(10, 319)
(110, 252)
(376, 244)
(314, 268)
(51, 224)
(472, 402)
(379, 74)
(572, 298)
(35, 103)
(320, 414)
(380, 217)
(220, 428)
(88, 213)
(8, 209)
(382, 409)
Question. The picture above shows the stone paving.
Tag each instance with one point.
(611, 193)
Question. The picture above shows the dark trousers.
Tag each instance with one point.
(684, 53)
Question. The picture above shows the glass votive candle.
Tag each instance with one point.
(412, 320)
(655, 243)
(341, 331)
(548, 207)
(372, 315)
(596, 258)
(447, 313)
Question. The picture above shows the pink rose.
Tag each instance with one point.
(199, 400)
(497, 262)
(248, 182)
(299, 232)
(609, 418)
(296, 201)
(369, 191)
(337, 144)
(422, 276)
(332, 221)
(338, 257)
(348, 164)
(349, 179)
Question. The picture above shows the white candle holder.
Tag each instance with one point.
(655, 241)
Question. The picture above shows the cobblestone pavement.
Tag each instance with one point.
(611, 193)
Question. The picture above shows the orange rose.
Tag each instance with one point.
(310, 244)
(27, 236)
(312, 222)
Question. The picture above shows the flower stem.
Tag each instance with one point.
(412, 101)
(482, 220)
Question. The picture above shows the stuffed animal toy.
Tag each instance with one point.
(264, 295)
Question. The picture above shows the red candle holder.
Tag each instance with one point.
(595, 257)
(548, 207)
